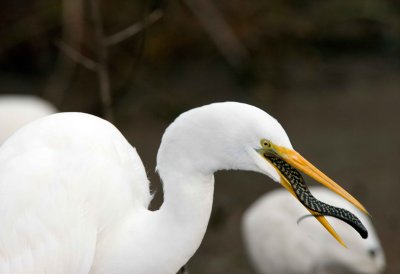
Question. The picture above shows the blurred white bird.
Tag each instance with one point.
(74, 194)
(18, 110)
(275, 244)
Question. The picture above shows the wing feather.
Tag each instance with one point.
(65, 181)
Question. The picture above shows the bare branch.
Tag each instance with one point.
(102, 71)
(72, 24)
(219, 30)
(77, 56)
(134, 29)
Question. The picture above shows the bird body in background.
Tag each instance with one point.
(18, 110)
(74, 194)
(275, 244)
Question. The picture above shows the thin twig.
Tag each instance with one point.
(219, 30)
(134, 29)
(61, 77)
(77, 56)
(102, 71)
(102, 43)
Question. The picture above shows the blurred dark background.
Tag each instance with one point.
(329, 71)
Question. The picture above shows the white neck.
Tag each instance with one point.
(160, 242)
(183, 217)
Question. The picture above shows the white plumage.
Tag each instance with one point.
(18, 110)
(65, 182)
(74, 193)
(276, 244)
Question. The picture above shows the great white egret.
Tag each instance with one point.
(18, 110)
(275, 244)
(74, 194)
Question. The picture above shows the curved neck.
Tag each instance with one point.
(161, 241)
(178, 227)
(186, 196)
(184, 215)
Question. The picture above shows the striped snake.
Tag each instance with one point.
(309, 201)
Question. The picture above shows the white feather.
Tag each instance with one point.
(276, 244)
(18, 110)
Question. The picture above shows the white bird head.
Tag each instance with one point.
(234, 135)
(222, 136)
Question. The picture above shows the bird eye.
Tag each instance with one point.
(265, 143)
(372, 252)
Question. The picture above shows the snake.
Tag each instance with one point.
(309, 201)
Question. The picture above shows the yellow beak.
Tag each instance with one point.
(297, 161)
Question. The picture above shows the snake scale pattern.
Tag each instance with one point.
(308, 200)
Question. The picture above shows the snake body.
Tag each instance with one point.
(308, 200)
